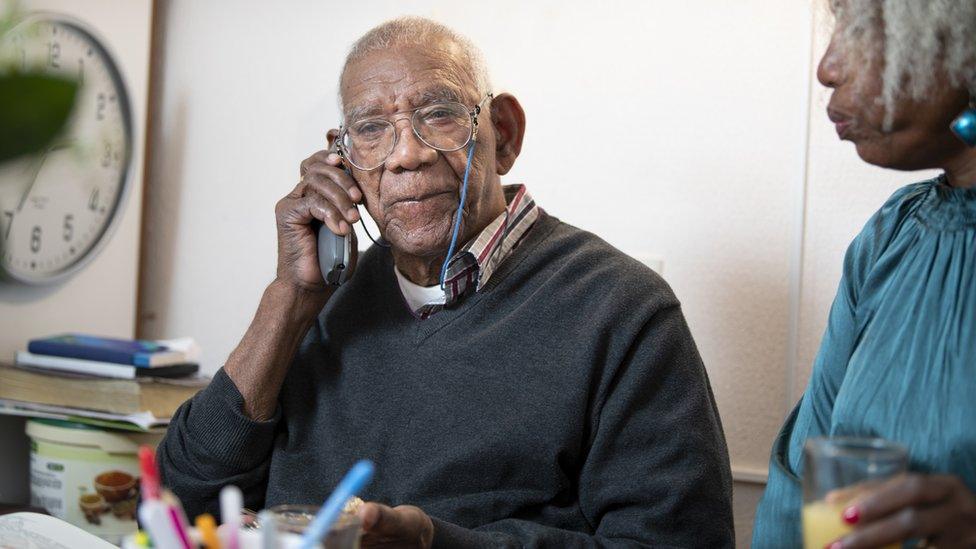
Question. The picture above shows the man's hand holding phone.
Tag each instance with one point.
(325, 194)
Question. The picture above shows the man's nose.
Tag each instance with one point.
(830, 69)
(410, 153)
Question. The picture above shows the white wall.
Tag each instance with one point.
(714, 176)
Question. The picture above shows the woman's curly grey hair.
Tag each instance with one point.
(915, 39)
(420, 31)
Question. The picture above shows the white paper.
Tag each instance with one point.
(144, 420)
(37, 531)
(185, 345)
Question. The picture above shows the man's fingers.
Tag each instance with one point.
(326, 212)
(898, 493)
(304, 210)
(909, 523)
(330, 171)
(334, 194)
(379, 519)
(317, 156)
(403, 526)
(298, 191)
(369, 514)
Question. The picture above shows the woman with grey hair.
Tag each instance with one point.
(898, 359)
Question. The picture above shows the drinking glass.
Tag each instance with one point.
(837, 471)
(292, 520)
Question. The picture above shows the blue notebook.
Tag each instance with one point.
(134, 352)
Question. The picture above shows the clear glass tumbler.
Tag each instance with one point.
(837, 471)
(292, 520)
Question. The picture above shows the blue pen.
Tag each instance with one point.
(355, 480)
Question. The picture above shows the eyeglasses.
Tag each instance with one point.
(446, 126)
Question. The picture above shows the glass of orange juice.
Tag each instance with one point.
(836, 471)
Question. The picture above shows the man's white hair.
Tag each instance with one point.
(420, 31)
(916, 39)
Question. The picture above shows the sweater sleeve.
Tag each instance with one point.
(657, 469)
(210, 443)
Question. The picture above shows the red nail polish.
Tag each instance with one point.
(851, 515)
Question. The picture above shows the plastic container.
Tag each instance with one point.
(87, 476)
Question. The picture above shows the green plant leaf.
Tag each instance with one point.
(33, 110)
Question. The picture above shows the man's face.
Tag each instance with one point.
(414, 195)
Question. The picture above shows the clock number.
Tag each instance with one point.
(10, 222)
(69, 227)
(54, 54)
(107, 155)
(36, 239)
(100, 107)
(93, 200)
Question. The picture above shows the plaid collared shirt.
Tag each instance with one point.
(472, 266)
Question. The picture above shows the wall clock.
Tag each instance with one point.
(58, 209)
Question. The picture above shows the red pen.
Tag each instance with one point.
(151, 491)
(150, 474)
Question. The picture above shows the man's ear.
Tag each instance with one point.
(508, 119)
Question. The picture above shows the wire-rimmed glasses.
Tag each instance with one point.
(444, 126)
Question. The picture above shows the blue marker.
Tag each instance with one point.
(355, 480)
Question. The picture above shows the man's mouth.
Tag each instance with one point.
(415, 199)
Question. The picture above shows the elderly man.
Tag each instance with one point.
(516, 380)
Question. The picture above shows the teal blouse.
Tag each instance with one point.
(898, 359)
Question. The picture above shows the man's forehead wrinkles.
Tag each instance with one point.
(422, 95)
(442, 91)
(400, 79)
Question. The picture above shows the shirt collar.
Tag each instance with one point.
(474, 264)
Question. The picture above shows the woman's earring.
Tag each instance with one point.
(964, 126)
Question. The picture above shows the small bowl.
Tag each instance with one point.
(125, 509)
(115, 486)
(92, 504)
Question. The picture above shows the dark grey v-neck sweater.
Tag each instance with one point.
(563, 405)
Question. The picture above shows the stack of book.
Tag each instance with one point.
(110, 382)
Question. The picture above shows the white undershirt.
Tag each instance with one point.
(416, 295)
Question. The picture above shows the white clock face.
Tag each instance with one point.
(57, 207)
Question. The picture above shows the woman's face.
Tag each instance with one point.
(919, 136)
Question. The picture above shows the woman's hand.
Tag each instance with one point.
(939, 509)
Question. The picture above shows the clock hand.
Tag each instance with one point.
(37, 170)
(55, 147)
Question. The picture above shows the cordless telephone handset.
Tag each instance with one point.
(334, 256)
(334, 250)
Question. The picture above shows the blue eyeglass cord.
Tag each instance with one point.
(457, 217)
